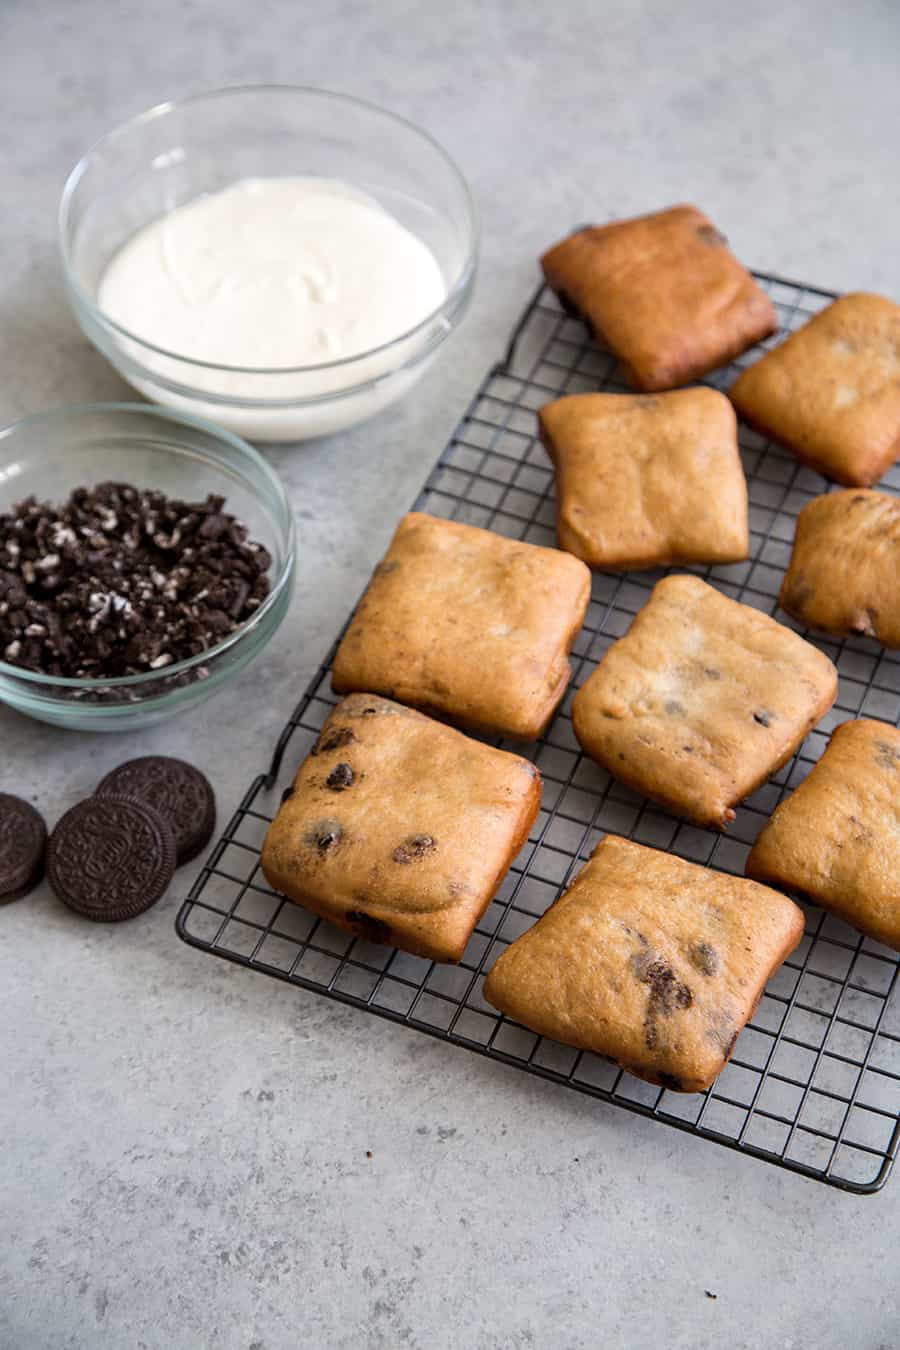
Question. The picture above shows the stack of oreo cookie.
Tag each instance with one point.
(112, 855)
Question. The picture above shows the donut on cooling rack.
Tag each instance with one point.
(466, 623)
(844, 573)
(831, 391)
(399, 829)
(647, 480)
(835, 838)
(701, 700)
(649, 960)
(663, 292)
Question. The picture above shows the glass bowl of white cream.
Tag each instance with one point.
(283, 261)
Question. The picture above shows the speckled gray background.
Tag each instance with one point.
(183, 1145)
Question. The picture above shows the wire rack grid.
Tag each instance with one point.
(814, 1081)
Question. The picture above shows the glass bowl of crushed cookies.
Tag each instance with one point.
(146, 557)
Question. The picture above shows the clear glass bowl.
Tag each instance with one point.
(178, 151)
(50, 454)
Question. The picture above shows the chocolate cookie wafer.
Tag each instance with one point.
(111, 858)
(174, 788)
(23, 842)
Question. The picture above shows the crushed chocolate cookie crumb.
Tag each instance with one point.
(120, 580)
(415, 847)
(324, 835)
(721, 1031)
(333, 740)
(287, 795)
(764, 717)
(710, 235)
(674, 708)
(340, 778)
(887, 756)
(704, 958)
(667, 992)
(369, 928)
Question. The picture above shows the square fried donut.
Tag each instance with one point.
(663, 292)
(645, 480)
(398, 828)
(653, 962)
(844, 573)
(837, 837)
(701, 700)
(463, 622)
(831, 391)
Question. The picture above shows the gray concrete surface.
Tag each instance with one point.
(183, 1145)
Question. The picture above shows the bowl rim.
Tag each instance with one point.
(49, 415)
(447, 306)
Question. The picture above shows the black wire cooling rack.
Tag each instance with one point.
(814, 1082)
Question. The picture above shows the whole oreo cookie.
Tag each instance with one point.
(178, 791)
(110, 858)
(23, 842)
